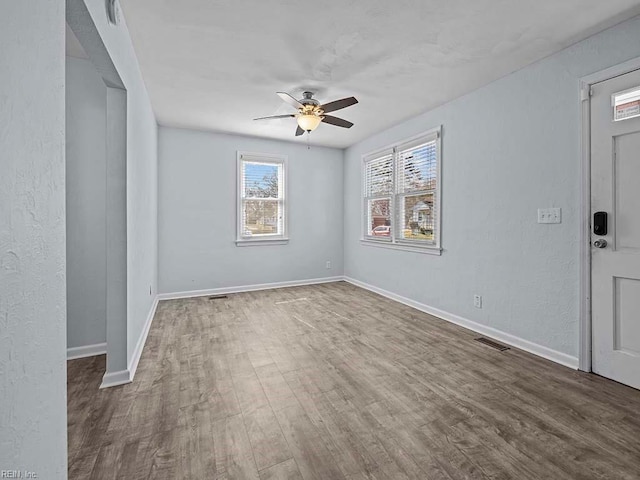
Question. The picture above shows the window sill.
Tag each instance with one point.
(262, 242)
(429, 250)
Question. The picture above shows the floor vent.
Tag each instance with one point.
(492, 344)
(217, 297)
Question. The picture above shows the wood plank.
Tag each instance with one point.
(287, 470)
(268, 443)
(309, 451)
(233, 452)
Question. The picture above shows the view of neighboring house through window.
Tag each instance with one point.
(401, 196)
(261, 203)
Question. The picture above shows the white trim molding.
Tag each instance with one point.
(584, 324)
(137, 353)
(402, 247)
(113, 379)
(85, 351)
(247, 288)
(255, 243)
(522, 344)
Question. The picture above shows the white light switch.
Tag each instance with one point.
(549, 215)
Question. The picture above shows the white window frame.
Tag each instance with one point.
(394, 241)
(267, 239)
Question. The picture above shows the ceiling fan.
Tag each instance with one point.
(311, 113)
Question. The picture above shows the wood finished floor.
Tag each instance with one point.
(334, 382)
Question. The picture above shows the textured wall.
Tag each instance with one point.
(197, 208)
(508, 149)
(142, 180)
(33, 424)
(86, 199)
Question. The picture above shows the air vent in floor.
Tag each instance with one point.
(217, 297)
(492, 344)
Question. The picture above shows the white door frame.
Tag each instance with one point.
(584, 330)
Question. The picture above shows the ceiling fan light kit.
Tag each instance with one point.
(309, 121)
(311, 113)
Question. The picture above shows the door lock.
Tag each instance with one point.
(600, 243)
(600, 223)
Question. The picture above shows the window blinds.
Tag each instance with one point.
(417, 168)
(379, 176)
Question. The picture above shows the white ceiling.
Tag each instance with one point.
(216, 64)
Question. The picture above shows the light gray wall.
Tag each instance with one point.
(142, 180)
(33, 418)
(197, 212)
(508, 149)
(86, 204)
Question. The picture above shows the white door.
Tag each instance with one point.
(615, 189)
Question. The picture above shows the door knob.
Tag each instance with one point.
(600, 243)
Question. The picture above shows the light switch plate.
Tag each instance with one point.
(549, 215)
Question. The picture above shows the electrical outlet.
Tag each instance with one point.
(477, 301)
(549, 215)
(328, 264)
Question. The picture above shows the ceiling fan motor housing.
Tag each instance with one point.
(308, 99)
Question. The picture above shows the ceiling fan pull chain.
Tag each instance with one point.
(308, 141)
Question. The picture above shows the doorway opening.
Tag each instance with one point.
(96, 199)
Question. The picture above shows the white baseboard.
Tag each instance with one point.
(534, 348)
(86, 351)
(122, 377)
(247, 288)
(114, 379)
(137, 353)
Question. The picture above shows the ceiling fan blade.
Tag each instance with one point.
(275, 116)
(338, 104)
(338, 122)
(289, 99)
(299, 131)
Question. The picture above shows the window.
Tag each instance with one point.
(401, 196)
(262, 207)
(626, 104)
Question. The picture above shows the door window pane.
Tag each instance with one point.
(626, 104)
